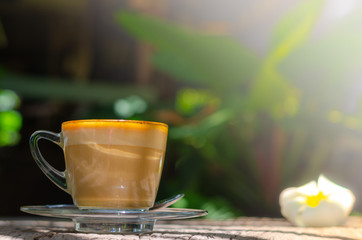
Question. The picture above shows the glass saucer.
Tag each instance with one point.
(112, 221)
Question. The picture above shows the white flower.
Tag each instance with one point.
(319, 204)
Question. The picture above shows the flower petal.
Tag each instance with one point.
(345, 200)
(288, 194)
(325, 214)
(292, 202)
(336, 193)
(291, 210)
(309, 189)
(328, 187)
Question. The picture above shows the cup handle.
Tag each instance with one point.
(54, 175)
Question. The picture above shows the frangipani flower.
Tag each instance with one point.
(319, 204)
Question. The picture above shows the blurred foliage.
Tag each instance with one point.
(10, 119)
(68, 90)
(217, 207)
(190, 56)
(242, 126)
(252, 125)
(130, 106)
(189, 101)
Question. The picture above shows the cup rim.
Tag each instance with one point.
(115, 121)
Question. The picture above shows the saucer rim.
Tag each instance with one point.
(70, 211)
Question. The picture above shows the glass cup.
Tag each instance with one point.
(110, 164)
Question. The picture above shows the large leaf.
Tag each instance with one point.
(71, 91)
(217, 61)
(178, 66)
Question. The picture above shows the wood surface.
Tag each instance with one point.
(241, 228)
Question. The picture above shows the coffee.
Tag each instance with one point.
(113, 164)
(113, 176)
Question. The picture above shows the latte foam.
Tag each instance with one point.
(115, 132)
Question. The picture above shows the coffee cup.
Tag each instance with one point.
(109, 164)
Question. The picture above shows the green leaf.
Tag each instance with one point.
(217, 61)
(178, 66)
(271, 91)
(295, 26)
(73, 91)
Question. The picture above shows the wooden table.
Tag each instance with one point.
(241, 228)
